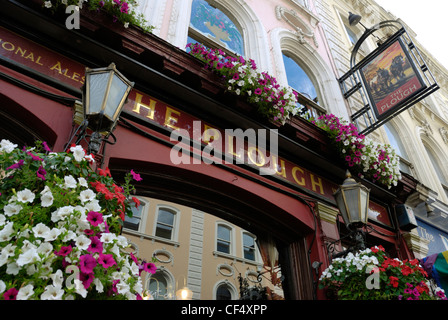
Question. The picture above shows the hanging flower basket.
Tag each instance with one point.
(60, 225)
(371, 275)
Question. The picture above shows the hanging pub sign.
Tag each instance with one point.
(390, 79)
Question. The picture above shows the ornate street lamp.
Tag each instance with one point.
(352, 199)
(104, 95)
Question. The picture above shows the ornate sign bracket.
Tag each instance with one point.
(389, 80)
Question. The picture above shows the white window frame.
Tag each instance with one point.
(176, 222)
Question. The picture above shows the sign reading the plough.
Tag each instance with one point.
(391, 79)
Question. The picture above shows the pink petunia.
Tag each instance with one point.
(64, 251)
(136, 176)
(95, 245)
(150, 267)
(87, 262)
(11, 294)
(95, 218)
(41, 173)
(106, 260)
(16, 165)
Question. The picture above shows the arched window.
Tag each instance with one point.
(214, 29)
(166, 223)
(298, 79)
(134, 222)
(438, 169)
(223, 292)
(397, 144)
(224, 239)
(160, 286)
(249, 248)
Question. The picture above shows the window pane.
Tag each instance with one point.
(158, 286)
(134, 221)
(165, 217)
(298, 79)
(249, 247)
(223, 246)
(223, 233)
(214, 22)
(223, 293)
(164, 231)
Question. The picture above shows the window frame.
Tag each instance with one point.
(231, 238)
(210, 42)
(144, 205)
(176, 219)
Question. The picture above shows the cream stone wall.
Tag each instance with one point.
(192, 258)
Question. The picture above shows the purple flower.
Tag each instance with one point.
(46, 148)
(106, 260)
(95, 245)
(87, 262)
(64, 251)
(41, 173)
(16, 165)
(95, 218)
(136, 176)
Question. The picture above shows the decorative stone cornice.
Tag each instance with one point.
(327, 213)
(417, 244)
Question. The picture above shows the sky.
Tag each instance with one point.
(428, 19)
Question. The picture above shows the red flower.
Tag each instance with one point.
(393, 281)
(137, 202)
(406, 270)
(105, 173)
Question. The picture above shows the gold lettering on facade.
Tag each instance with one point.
(276, 166)
(210, 134)
(259, 159)
(169, 118)
(317, 183)
(138, 103)
(300, 182)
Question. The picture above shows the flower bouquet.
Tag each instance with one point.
(368, 159)
(60, 225)
(371, 275)
(243, 79)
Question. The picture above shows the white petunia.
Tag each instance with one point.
(2, 286)
(6, 232)
(45, 248)
(82, 242)
(53, 234)
(30, 256)
(52, 293)
(25, 292)
(83, 182)
(25, 195)
(87, 195)
(108, 237)
(70, 182)
(80, 289)
(12, 268)
(7, 146)
(58, 278)
(93, 205)
(41, 230)
(46, 199)
(2, 220)
(78, 153)
(12, 209)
